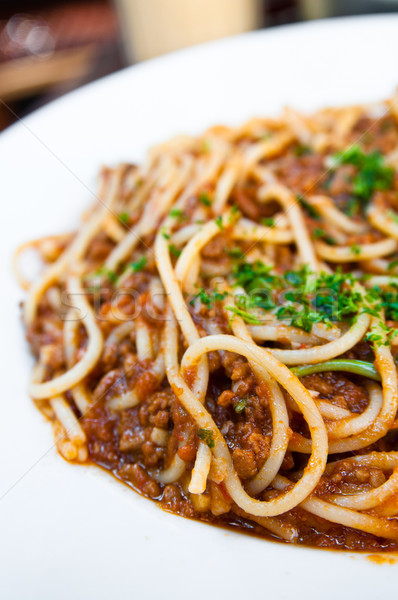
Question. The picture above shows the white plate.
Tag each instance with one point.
(73, 532)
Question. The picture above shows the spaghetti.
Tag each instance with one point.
(220, 332)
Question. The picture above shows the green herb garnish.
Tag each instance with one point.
(124, 218)
(392, 265)
(218, 221)
(206, 435)
(355, 249)
(310, 210)
(240, 405)
(139, 264)
(234, 252)
(164, 233)
(301, 150)
(176, 213)
(372, 173)
(246, 316)
(111, 275)
(208, 299)
(174, 250)
(300, 297)
(393, 215)
(322, 234)
(205, 199)
(353, 207)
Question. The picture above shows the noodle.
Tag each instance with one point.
(224, 323)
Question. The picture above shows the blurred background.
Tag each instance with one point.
(48, 48)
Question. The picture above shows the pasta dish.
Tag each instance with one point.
(220, 332)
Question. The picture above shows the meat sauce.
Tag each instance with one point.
(121, 443)
(136, 443)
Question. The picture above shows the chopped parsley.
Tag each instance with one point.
(208, 299)
(389, 302)
(205, 199)
(302, 298)
(353, 207)
(174, 250)
(235, 252)
(301, 150)
(124, 218)
(219, 223)
(392, 265)
(355, 249)
(268, 221)
(319, 233)
(100, 273)
(391, 214)
(164, 233)
(176, 213)
(111, 275)
(139, 264)
(309, 209)
(254, 276)
(372, 173)
(206, 435)
(246, 316)
(240, 405)
(379, 334)
(299, 297)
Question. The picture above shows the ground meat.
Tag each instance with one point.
(99, 248)
(339, 390)
(146, 384)
(303, 174)
(244, 463)
(174, 500)
(138, 443)
(247, 204)
(108, 384)
(140, 480)
(215, 248)
(346, 478)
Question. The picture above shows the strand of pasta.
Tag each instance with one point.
(69, 437)
(79, 392)
(153, 212)
(285, 531)
(385, 365)
(225, 184)
(342, 254)
(344, 516)
(325, 206)
(249, 230)
(278, 332)
(130, 398)
(383, 221)
(370, 499)
(280, 420)
(36, 244)
(293, 212)
(284, 376)
(172, 287)
(353, 425)
(380, 460)
(318, 354)
(200, 470)
(74, 252)
(93, 351)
